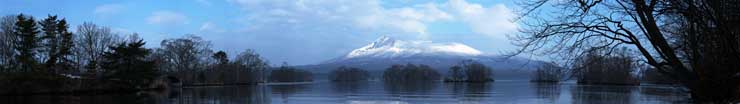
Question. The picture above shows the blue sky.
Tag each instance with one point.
(293, 31)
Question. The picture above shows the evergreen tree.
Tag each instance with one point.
(221, 57)
(26, 29)
(49, 39)
(65, 46)
(127, 62)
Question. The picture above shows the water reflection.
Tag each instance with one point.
(664, 93)
(602, 94)
(377, 92)
(470, 92)
(216, 95)
(549, 92)
(348, 87)
(420, 87)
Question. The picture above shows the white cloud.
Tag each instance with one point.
(167, 18)
(211, 27)
(369, 15)
(108, 9)
(301, 25)
(493, 21)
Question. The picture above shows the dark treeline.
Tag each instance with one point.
(42, 56)
(191, 59)
(286, 73)
(597, 68)
(651, 75)
(344, 73)
(410, 73)
(469, 71)
(548, 72)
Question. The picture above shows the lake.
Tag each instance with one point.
(377, 92)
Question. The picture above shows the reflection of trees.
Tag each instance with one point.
(597, 94)
(286, 91)
(414, 87)
(348, 87)
(548, 91)
(667, 94)
(477, 90)
(221, 95)
(470, 91)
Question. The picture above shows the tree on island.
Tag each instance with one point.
(548, 72)
(469, 71)
(344, 73)
(597, 68)
(287, 73)
(410, 73)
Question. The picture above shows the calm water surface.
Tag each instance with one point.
(375, 92)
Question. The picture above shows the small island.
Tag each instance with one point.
(410, 73)
(470, 71)
(548, 73)
(348, 74)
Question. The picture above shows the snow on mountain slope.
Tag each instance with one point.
(385, 52)
(386, 47)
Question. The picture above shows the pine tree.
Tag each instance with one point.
(126, 61)
(65, 45)
(50, 41)
(26, 29)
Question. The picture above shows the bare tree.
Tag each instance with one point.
(185, 56)
(549, 72)
(92, 42)
(251, 66)
(708, 28)
(7, 41)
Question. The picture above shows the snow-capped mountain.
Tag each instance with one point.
(386, 51)
(386, 47)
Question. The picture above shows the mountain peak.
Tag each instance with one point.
(382, 41)
(387, 47)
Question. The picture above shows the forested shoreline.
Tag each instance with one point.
(44, 57)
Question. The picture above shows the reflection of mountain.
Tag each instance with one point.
(386, 51)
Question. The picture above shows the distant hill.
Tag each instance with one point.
(385, 51)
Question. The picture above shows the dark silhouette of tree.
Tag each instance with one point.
(56, 42)
(92, 42)
(695, 42)
(476, 71)
(548, 72)
(410, 73)
(344, 73)
(8, 42)
(595, 68)
(290, 74)
(127, 62)
(456, 73)
(221, 57)
(470, 71)
(27, 45)
(186, 56)
(651, 75)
